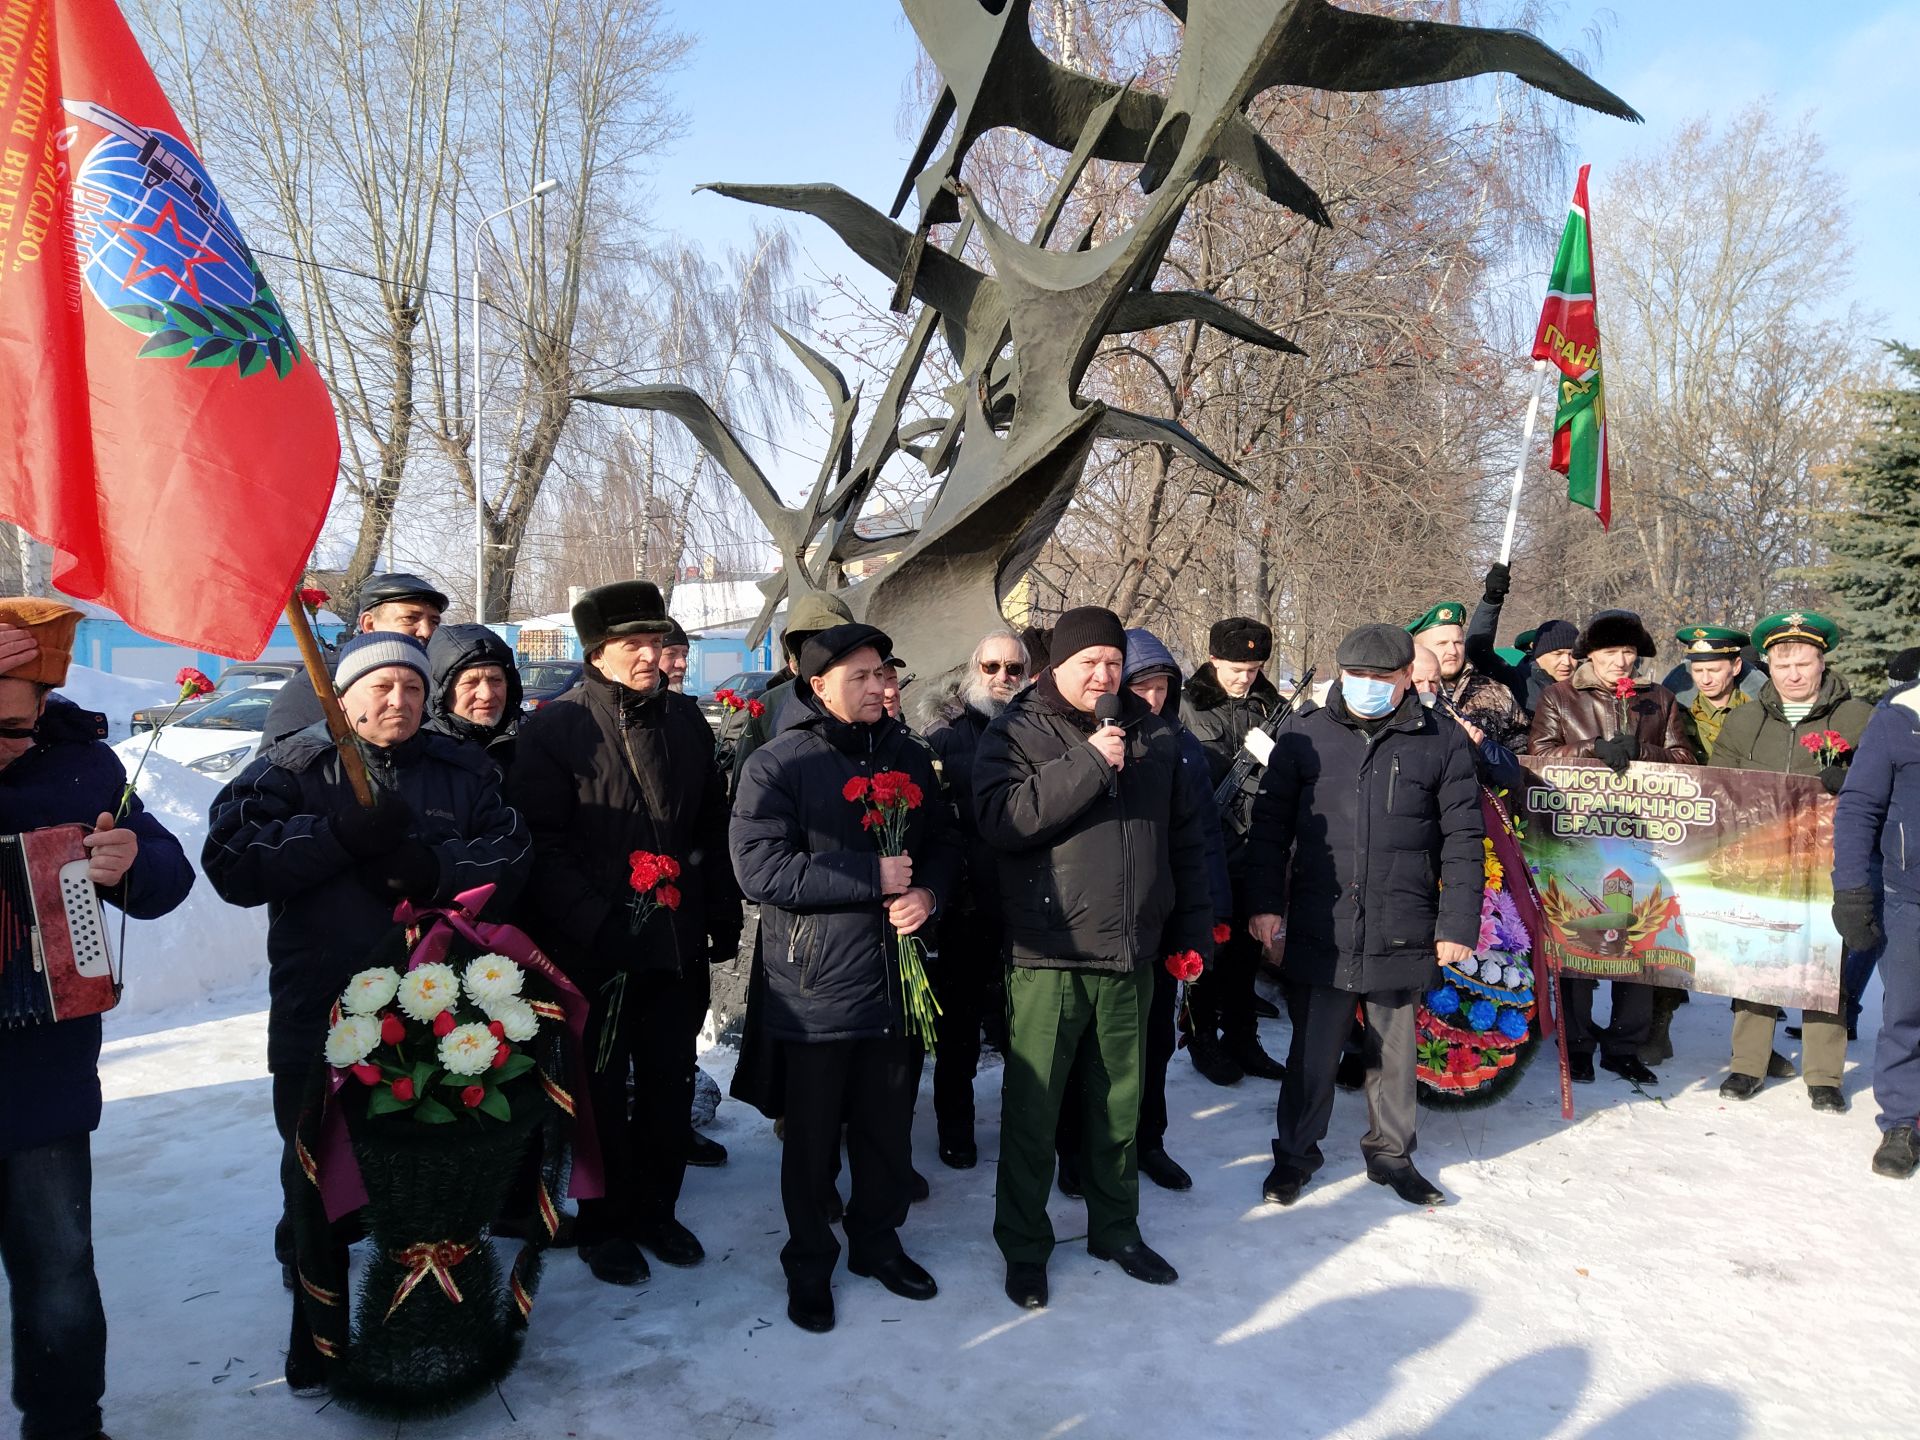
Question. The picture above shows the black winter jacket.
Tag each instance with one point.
(456, 648)
(1091, 880)
(955, 738)
(1369, 845)
(799, 850)
(270, 842)
(602, 772)
(1221, 723)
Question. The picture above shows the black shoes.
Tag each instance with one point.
(1027, 1283)
(810, 1306)
(1138, 1261)
(1779, 1067)
(1069, 1174)
(959, 1155)
(672, 1242)
(1284, 1184)
(1629, 1068)
(1163, 1170)
(900, 1275)
(1409, 1184)
(1740, 1087)
(1213, 1062)
(920, 1189)
(1580, 1068)
(1254, 1061)
(1898, 1156)
(1351, 1073)
(1827, 1099)
(836, 1207)
(1264, 1009)
(709, 1154)
(617, 1262)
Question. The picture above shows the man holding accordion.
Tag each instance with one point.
(56, 770)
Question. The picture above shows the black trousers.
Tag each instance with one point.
(289, 1094)
(59, 1327)
(968, 964)
(643, 1131)
(869, 1085)
(1625, 1031)
(1323, 1018)
(1220, 1002)
(1152, 1134)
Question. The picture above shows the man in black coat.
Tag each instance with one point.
(56, 769)
(622, 763)
(287, 833)
(476, 693)
(1227, 700)
(1102, 859)
(397, 603)
(831, 904)
(1367, 838)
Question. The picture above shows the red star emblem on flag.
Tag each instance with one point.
(190, 252)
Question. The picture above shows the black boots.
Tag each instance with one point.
(1163, 1170)
(1898, 1156)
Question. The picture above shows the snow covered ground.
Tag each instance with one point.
(1672, 1267)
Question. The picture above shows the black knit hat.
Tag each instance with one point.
(1553, 635)
(1615, 627)
(822, 651)
(677, 635)
(627, 607)
(1240, 637)
(1380, 649)
(1086, 627)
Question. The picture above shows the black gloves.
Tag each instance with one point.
(1619, 751)
(1499, 581)
(408, 871)
(1833, 777)
(1853, 917)
(364, 832)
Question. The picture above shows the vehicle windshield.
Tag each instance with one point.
(238, 678)
(243, 710)
(546, 676)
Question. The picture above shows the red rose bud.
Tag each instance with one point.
(669, 896)
(403, 1088)
(498, 1028)
(367, 1073)
(392, 1029)
(856, 788)
(472, 1096)
(443, 1023)
(500, 1054)
(1222, 933)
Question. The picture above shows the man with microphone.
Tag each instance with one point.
(1102, 858)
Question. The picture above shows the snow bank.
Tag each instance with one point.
(114, 696)
(206, 945)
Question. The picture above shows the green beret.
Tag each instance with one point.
(1447, 612)
(1523, 642)
(1711, 642)
(1796, 625)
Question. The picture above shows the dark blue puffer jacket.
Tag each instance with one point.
(49, 1074)
(799, 850)
(1876, 825)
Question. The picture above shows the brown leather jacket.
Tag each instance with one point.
(1572, 714)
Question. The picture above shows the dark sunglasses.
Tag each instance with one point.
(1014, 668)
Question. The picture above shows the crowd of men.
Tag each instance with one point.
(1095, 818)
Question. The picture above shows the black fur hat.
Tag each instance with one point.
(1615, 627)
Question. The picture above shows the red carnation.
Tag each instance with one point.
(886, 788)
(1187, 965)
(756, 709)
(1837, 742)
(392, 1029)
(870, 819)
(912, 794)
(500, 1054)
(403, 1088)
(855, 789)
(443, 1023)
(669, 867)
(669, 896)
(367, 1073)
(472, 1096)
(1222, 933)
(313, 598)
(646, 871)
(1810, 742)
(192, 682)
(1623, 688)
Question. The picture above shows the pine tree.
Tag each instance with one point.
(1874, 570)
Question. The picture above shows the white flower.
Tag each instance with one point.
(1490, 971)
(352, 1040)
(493, 978)
(516, 1017)
(1513, 977)
(468, 1049)
(428, 990)
(370, 991)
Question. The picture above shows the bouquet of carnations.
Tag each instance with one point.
(652, 879)
(889, 799)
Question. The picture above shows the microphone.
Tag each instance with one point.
(1106, 711)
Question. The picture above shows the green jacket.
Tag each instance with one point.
(1758, 737)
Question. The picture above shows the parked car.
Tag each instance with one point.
(222, 735)
(748, 685)
(544, 680)
(233, 679)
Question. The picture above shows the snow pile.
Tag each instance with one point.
(114, 696)
(206, 945)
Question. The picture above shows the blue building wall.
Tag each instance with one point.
(112, 645)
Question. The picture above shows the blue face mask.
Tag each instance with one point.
(1367, 696)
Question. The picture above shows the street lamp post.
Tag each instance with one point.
(540, 190)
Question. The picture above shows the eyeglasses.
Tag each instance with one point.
(1014, 668)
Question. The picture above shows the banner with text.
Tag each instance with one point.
(1702, 879)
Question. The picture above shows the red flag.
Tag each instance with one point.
(164, 431)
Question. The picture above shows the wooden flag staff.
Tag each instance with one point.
(343, 737)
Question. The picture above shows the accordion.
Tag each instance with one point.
(55, 962)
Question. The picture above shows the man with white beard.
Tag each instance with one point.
(970, 927)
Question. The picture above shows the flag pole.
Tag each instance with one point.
(322, 680)
(1520, 470)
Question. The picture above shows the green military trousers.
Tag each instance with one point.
(1054, 1016)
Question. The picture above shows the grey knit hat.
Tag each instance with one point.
(364, 654)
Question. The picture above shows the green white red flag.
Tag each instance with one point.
(1569, 336)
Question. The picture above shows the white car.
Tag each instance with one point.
(222, 735)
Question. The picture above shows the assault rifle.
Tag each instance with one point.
(1227, 794)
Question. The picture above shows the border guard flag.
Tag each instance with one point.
(1569, 336)
(164, 430)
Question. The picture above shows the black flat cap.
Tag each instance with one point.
(1381, 648)
(821, 652)
(398, 585)
(627, 607)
